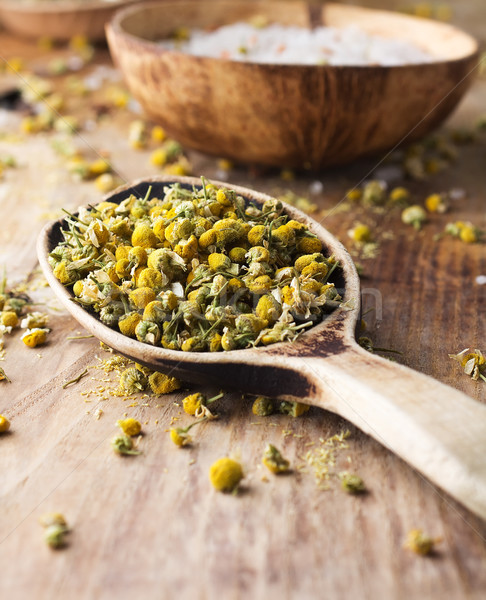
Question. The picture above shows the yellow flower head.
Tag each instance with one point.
(179, 436)
(4, 424)
(468, 234)
(144, 236)
(399, 195)
(130, 426)
(268, 308)
(225, 474)
(256, 235)
(420, 543)
(307, 259)
(315, 270)
(163, 384)
(142, 296)
(360, 233)
(308, 245)
(219, 262)
(263, 406)
(9, 318)
(128, 323)
(35, 337)
(284, 235)
(192, 403)
(150, 278)
(261, 284)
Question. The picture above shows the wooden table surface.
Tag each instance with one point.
(151, 526)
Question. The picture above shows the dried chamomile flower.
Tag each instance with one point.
(106, 182)
(56, 528)
(225, 164)
(274, 461)
(352, 484)
(225, 474)
(55, 536)
(132, 381)
(374, 193)
(414, 215)
(9, 318)
(473, 363)
(160, 383)
(360, 233)
(50, 519)
(465, 231)
(158, 134)
(469, 234)
(399, 196)
(138, 134)
(419, 542)
(123, 444)
(436, 203)
(354, 194)
(263, 406)
(197, 404)
(35, 337)
(299, 202)
(128, 323)
(294, 409)
(33, 320)
(4, 424)
(3, 375)
(130, 426)
(15, 304)
(180, 435)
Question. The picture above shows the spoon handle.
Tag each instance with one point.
(435, 428)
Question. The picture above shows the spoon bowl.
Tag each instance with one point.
(435, 428)
(206, 366)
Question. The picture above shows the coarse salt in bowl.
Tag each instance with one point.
(280, 44)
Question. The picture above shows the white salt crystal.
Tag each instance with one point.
(278, 44)
(316, 187)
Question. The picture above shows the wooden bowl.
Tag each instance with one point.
(58, 20)
(289, 115)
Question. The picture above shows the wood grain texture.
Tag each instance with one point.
(287, 115)
(141, 531)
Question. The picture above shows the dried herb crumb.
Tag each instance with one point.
(420, 543)
(352, 484)
(274, 461)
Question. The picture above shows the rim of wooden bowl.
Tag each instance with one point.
(410, 24)
(59, 20)
(56, 6)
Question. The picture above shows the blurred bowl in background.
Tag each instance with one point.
(308, 116)
(59, 20)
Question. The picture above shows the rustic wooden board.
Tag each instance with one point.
(151, 526)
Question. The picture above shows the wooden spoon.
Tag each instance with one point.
(436, 429)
